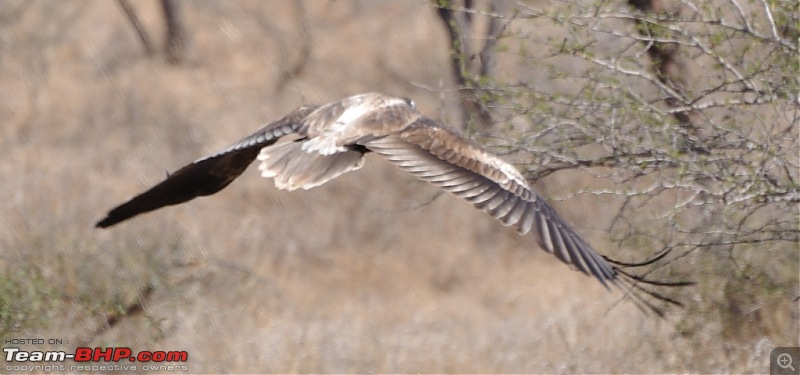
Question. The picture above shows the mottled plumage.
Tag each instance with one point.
(333, 138)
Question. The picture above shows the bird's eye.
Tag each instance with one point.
(411, 103)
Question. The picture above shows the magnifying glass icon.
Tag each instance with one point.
(785, 361)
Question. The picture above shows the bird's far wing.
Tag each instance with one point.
(444, 158)
(208, 175)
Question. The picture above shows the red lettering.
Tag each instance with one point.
(83, 354)
(106, 354)
(159, 356)
(121, 353)
(177, 356)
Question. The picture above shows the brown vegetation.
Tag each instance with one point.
(327, 280)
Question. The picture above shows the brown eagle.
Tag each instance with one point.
(334, 138)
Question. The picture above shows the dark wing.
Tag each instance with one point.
(444, 158)
(208, 175)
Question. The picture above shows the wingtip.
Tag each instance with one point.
(104, 223)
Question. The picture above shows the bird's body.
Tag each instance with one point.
(332, 139)
(350, 120)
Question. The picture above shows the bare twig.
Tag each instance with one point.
(148, 47)
(175, 33)
(671, 69)
(496, 27)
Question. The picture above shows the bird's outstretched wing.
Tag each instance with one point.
(444, 158)
(208, 175)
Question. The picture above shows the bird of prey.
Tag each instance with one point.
(332, 139)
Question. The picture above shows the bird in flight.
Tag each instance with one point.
(332, 139)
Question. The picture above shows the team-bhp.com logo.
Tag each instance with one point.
(88, 357)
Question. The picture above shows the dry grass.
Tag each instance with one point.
(257, 280)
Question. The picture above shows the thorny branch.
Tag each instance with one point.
(727, 137)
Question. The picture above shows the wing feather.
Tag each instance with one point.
(444, 158)
(208, 175)
(294, 168)
(472, 192)
(515, 214)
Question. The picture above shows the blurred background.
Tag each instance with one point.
(372, 272)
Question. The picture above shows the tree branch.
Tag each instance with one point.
(670, 69)
(473, 110)
(134, 20)
(175, 33)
